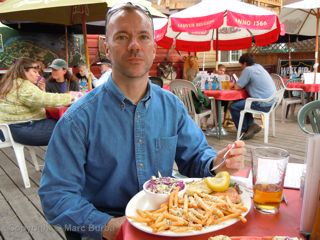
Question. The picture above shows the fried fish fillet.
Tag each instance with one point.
(201, 187)
(232, 193)
(198, 187)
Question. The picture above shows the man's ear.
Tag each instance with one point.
(106, 49)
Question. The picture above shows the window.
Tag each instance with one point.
(229, 56)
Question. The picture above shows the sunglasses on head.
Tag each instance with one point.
(123, 5)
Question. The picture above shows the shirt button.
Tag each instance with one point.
(140, 165)
(140, 140)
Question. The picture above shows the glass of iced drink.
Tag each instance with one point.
(268, 168)
(225, 84)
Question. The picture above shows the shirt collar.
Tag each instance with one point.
(117, 93)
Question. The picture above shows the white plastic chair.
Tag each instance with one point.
(19, 152)
(183, 89)
(291, 100)
(276, 98)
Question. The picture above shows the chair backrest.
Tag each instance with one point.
(183, 89)
(277, 98)
(312, 111)
(157, 80)
(278, 81)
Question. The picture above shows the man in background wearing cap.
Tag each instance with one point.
(105, 68)
(61, 80)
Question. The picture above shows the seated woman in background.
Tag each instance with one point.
(61, 80)
(22, 104)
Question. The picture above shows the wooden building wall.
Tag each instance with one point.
(271, 60)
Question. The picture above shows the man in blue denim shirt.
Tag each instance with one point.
(114, 139)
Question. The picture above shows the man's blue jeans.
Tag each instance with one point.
(33, 133)
(236, 108)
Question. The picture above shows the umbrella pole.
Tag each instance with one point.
(84, 30)
(66, 42)
(317, 47)
(203, 60)
(289, 52)
(217, 53)
(289, 56)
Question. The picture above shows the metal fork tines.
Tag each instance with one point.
(224, 158)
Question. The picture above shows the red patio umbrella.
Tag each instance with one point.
(220, 25)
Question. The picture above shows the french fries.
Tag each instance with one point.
(191, 212)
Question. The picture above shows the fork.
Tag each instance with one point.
(225, 155)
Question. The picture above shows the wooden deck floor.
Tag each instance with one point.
(21, 216)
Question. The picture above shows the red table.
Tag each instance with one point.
(305, 87)
(227, 95)
(224, 95)
(285, 223)
(55, 112)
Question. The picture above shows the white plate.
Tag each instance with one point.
(140, 201)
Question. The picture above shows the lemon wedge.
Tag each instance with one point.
(219, 183)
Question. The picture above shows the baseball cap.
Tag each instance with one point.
(58, 64)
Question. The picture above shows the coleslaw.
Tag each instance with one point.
(164, 185)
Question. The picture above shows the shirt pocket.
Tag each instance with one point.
(165, 152)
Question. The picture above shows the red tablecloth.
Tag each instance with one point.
(227, 95)
(305, 87)
(55, 112)
(285, 223)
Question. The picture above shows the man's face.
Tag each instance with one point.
(130, 44)
(58, 73)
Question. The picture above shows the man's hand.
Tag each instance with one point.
(111, 229)
(235, 158)
(236, 86)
